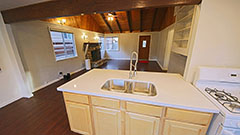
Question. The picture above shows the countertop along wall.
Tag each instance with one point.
(217, 41)
(36, 51)
(128, 42)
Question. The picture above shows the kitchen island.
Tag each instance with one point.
(178, 108)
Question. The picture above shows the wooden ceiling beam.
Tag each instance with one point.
(106, 22)
(141, 20)
(118, 24)
(129, 18)
(154, 18)
(60, 8)
(162, 15)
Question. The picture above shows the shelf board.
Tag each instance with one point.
(185, 39)
(184, 9)
(185, 17)
(179, 50)
(184, 29)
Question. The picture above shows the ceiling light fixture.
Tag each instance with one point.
(62, 21)
(110, 17)
(84, 36)
(96, 37)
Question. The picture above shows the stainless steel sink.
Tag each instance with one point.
(131, 87)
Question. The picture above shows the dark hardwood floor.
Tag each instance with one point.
(125, 65)
(44, 114)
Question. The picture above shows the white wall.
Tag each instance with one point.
(36, 51)
(162, 45)
(12, 84)
(217, 41)
(128, 42)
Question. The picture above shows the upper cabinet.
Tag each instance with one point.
(183, 31)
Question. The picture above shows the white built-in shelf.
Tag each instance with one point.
(183, 26)
(189, 16)
(185, 39)
(181, 51)
(184, 29)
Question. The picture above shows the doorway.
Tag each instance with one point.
(144, 45)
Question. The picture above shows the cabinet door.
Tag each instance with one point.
(181, 128)
(79, 118)
(137, 124)
(107, 121)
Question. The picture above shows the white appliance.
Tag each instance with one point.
(222, 87)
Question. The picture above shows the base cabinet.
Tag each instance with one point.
(79, 118)
(107, 121)
(181, 128)
(137, 124)
(104, 116)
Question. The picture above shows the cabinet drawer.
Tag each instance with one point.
(106, 102)
(144, 109)
(182, 128)
(189, 116)
(76, 98)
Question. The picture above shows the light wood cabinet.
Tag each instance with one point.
(105, 102)
(182, 128)
(107, 121)
(137, 124)
(77, 98)
(91, 115)
(144, 109)
(79, 118)
(188, 116)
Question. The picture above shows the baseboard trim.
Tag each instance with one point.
(10, 101)
(118, 58)
(45, 85)
(153, 60)
(159, 64)
(51, 82)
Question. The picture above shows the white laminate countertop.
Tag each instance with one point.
(172, 90)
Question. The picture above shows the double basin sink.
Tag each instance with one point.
(130, 86)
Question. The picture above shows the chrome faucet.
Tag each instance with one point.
(133, 73)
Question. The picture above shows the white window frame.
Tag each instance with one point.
(74, 46)
(102, 43)
(111, 50)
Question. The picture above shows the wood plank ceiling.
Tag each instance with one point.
(61, 8)
(136, 20)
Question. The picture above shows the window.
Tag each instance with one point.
(102, 43)
(111, 43)
(63, 45)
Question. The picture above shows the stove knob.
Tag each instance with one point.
(238, 124)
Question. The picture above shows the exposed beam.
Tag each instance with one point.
(60, 8)
(154, 18)
(119, 26)
(106, 22)
(141, 20)
(129, 18)
(162, 17)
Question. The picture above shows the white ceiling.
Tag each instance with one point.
(9, 4)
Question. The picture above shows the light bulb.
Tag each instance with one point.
(63, 20)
